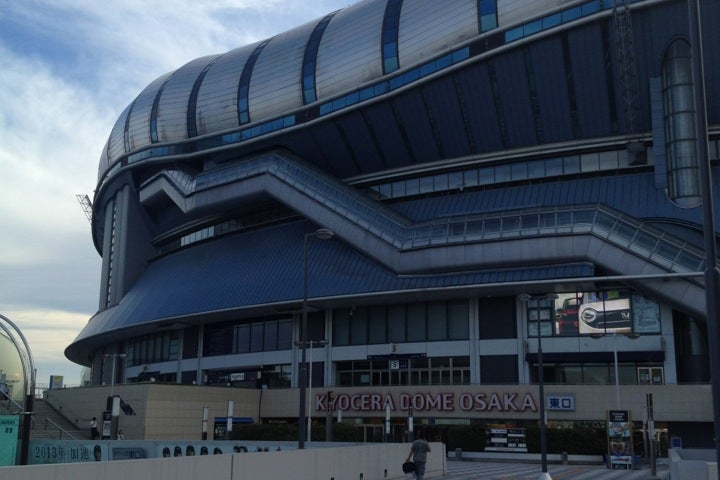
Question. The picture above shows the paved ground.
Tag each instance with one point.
(463, 470)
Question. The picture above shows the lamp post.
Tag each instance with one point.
(712, 272)
(309, 399)
(112, 379)
(629, 335)
(322, 234)
(525, 298)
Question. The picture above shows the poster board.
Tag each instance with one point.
(620, 445)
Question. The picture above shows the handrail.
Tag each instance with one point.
(62, 430)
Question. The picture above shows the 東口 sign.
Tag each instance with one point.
(560, 402)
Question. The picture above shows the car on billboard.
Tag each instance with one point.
(605, 315)
(567, 320)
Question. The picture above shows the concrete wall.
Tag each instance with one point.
(379, 461)
(163, 412)
(170, 411)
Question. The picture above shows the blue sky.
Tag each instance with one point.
(67, 70)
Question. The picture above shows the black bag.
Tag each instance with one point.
(408, 467)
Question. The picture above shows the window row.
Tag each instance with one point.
(509, 172)
(256, 336)
(591, 373)
(403, 371)
(160, 347)
(401, 323)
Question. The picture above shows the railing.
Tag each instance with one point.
(61, 431)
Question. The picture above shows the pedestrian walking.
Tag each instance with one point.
(418, 454)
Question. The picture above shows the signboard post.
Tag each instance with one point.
(8, 439)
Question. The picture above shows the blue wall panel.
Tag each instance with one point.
(552, 94)
(586, 50)
(514, 99)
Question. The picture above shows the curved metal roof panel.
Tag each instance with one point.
(428, 27)
(216, 107)
(138, 127)
(350, 51)
(275, 87)
(116, 142)
(172, 116)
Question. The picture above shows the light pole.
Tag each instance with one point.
(112, 379)
(525, 298)
(322, 234)
(309, 394)
(712, 272)
(629, 335)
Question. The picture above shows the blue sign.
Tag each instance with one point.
(560, 402)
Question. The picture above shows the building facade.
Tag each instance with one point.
(496, 176)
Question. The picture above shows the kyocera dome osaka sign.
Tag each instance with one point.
(501, 402)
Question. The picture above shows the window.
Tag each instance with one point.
(499, 369)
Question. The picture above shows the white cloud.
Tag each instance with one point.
(69, 69)
(48, 332)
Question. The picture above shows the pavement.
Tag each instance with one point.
(467, 470)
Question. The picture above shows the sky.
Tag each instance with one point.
(67, 70)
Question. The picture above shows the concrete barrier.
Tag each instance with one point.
(693, 464)
(362, 462)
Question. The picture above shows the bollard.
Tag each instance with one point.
(458, 454)
(564, 458)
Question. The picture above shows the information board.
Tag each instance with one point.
(8, 439)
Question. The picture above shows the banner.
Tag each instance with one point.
(8, 439)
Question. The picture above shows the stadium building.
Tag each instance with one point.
(445, 187)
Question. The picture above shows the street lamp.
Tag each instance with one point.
(322, 234)
(525, 298)
(629, 335)
(310, 343)
(112, 379)
(712, 272)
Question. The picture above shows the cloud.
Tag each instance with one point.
(48, 332)
(69, 69)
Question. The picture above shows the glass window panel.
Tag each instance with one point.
(608, 160)
(396, 323)
(441, 182)
(242, 338)
(285, 331)
(470, 178)
(486, 176)
(358, 327)
(571, 164)
(458, 325)
(426, 184)
(502, 173)
(256, 337)
(271, 332)
(519, 171)
(596, 374)
(590, 162)
(437, 321)
(511, 224)
(377, 325)
(570, 374)
(492, 225)
(536, 169)
(416, 326)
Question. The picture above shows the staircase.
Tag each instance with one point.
(49, 423)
